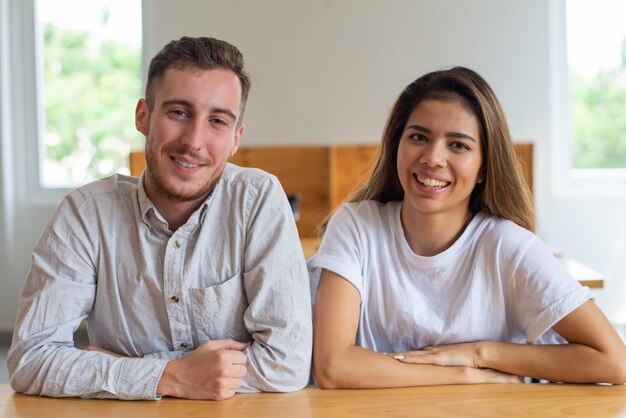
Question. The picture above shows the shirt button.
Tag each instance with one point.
(177, 244)
(183, 346)
(174, 299)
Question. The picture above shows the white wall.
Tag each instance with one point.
(327, 71)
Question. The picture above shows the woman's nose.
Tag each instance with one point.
(434, 156)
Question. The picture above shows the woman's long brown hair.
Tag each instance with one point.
(503, 193)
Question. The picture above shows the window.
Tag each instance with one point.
(595, 159)
(90, 78)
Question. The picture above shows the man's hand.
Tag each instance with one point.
(212, 371)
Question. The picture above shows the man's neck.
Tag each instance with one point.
(176, 213)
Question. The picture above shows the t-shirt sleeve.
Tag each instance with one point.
(543, 292)
(339, 252)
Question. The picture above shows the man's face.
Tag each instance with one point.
(190, 133)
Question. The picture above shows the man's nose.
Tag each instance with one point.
(194, 135)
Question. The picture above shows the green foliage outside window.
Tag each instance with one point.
(91, 88)
(599, 118)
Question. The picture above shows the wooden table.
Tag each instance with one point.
(523, 400)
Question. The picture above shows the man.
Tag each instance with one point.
(191, 278)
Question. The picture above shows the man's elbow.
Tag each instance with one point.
(277, 379)
(22, 383)
(296, 384)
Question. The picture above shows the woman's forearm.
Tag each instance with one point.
(576, 363)
(357, 367)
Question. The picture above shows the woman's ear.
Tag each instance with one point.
(481, 175)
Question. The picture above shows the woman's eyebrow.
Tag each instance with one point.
(421, 128)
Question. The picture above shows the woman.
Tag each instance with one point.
(432, 275)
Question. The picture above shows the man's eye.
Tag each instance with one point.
(179, 113)
(219, 121)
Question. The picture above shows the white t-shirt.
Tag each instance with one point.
(497, 282)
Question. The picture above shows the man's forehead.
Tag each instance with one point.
(185, 84)
(219, 74)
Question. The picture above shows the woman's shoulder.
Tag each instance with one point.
(368, 208)
(364, 218)
(366, 212)
(500, 227)
(502, 232)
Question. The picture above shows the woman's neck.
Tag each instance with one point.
(433, 233)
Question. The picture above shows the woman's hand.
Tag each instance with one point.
(457, 355)
(464, 354)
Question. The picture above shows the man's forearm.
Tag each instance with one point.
(70, 372)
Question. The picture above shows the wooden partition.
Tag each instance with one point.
(321, 176)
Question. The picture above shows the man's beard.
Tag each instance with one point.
(161, 185)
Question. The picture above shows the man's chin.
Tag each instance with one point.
(182, 195)
(182, 191)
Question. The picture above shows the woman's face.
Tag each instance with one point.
(439, 158)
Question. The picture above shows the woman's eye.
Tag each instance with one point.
(460, 146)
(418, 137)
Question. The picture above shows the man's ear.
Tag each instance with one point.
(142, 117)
(238, 132)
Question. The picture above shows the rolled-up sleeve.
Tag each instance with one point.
(278, 316)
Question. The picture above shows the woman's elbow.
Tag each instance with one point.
(619, 372)
(615, 371)
(327, 374)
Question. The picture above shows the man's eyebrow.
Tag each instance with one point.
(187, 103)
(449, 134)
(225, 111)
(182, 102)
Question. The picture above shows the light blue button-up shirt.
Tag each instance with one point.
(234, 270)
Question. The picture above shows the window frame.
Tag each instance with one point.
(27, 110)
(568, 181)
(25, 54)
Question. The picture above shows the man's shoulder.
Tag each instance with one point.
(251, 176)
(115, 185)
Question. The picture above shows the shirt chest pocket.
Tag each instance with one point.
(218, 310)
